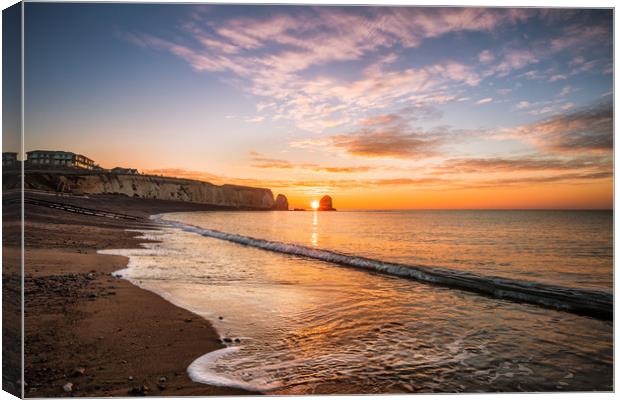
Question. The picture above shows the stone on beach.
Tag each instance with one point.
(139, 390)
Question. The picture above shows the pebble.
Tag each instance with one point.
(68, 387)
(139, 390)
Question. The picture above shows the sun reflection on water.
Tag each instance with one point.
(314, 238)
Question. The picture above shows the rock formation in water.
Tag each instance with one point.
(325, 204)
(281, 203)
(152, 187)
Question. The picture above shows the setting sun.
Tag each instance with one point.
(314, 204)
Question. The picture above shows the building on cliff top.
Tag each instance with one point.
(58, 159)
(9, 160)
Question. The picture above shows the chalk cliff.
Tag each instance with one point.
(281, 203)
(326, 204)
(152, 187)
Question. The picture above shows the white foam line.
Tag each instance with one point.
(200, 371)
(589, 302)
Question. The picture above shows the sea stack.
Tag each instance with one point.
(281, 203)
(325, 204)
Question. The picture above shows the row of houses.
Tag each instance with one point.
(61, 159)
(58, 159)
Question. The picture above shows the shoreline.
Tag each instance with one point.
(146, 332)
(90, 334)
(213, 379)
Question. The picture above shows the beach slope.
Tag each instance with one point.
(88, 333)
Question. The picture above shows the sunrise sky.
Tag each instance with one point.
(380, 107)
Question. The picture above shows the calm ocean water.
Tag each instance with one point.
(295, 324)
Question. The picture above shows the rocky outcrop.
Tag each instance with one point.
(325, 204)
(281, 203)
(152, 187)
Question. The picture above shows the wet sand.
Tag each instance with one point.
(91, 332)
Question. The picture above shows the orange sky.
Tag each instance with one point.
(568, 194)
(396, 108)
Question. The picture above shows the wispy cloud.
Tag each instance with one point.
(577, 36)
(588, 129)
(301, 185)
(271, 54)
(569, 178)
(271, 57)
(258, 118)
(433, 181)
(544, 107)
(260, 161)
(516, 164)
(386, 144)
(514, 60)
(388, 136)
(486, 56)
(566, 90)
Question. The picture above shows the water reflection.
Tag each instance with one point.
(314, 237)
(565, 248)
(312, 327)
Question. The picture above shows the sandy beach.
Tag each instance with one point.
(90, 332)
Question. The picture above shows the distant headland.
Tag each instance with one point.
(72, 173)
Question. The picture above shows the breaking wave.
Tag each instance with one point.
(594, 303)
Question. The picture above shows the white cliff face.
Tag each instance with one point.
(152, 187)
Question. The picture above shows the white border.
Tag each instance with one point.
(483, 3)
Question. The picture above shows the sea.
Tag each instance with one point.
(370, 302)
